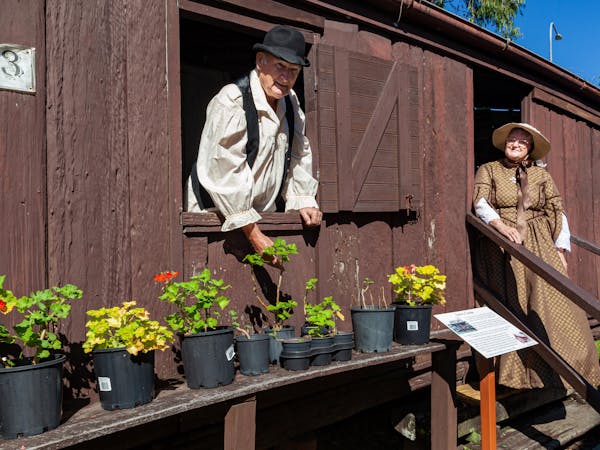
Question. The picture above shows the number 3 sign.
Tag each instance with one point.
(17, 68)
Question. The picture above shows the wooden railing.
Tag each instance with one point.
(573, 292)
(585, 244)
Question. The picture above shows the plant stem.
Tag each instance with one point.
(255, 289)
(279, 286)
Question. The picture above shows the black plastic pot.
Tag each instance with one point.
(296, 353)
(373, 329)
(321, 350)
(275, 344)
(343, 343)
(31, 398)
(411, 324)
(305, 329)
(208, 358)
(253, 354)
(124, 380)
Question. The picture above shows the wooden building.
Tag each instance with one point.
(401, 98)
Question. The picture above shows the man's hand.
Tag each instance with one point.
(311, 216)
(259, 242)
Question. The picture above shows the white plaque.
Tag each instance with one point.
(486, 331)
(17, 68)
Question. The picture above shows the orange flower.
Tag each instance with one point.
(163, 277)
(2, 305)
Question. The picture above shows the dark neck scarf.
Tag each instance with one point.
(523, 202)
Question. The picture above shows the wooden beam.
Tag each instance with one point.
(240, 426)
(235, 18)
(443, 399)
(585, 244)
(487, 403)
(541, 96)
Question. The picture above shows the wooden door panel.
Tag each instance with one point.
(366, 164)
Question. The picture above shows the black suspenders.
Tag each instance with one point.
(202, 196)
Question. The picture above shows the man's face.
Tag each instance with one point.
(277, 77)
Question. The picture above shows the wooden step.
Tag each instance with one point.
(510, 403)
(548, 427)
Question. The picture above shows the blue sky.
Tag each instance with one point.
(579, 23)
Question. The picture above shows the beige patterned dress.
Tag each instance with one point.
(552, 316)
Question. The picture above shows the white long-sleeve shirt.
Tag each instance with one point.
(485, 212)
(238, 191)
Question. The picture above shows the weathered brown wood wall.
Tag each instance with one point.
(22, 157)
(573, 164)
(108, 152)
(91, 165)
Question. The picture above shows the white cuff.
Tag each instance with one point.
(238, 220)
(296, 202)
(564, 237)
(485, 212)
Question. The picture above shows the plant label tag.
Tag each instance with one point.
(104, 384)
(412, 325)
(230, 353)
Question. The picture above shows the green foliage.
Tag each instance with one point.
(419, 285)
(279, 249)
(322, 316)
(474, 437)
(125, 326)
(499, 15)
(281, 310)
(41, 313)
(199, 302)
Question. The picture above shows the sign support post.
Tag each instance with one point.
(487, 403)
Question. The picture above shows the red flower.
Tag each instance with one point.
(163, 277)
(2, 305)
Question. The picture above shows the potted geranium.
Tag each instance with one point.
(122, 340)
(280, 309)
(417, 288)
(31, 379)
(372, 320)
(320, 318)
(206, 342)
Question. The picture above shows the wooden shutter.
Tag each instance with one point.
(368, 132)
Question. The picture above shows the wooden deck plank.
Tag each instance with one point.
(548, 427)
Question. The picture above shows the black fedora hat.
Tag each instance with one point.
(285, 43)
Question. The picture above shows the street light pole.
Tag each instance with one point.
(557, 36)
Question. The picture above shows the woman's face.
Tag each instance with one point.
(518, 145)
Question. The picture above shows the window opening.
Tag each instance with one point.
(211, 56)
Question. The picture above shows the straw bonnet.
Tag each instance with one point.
(541, 145)
(285, 43)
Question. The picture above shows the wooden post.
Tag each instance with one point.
(443, 396)
(487, 404)
(240, 426)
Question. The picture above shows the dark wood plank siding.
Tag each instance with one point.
(23, 157)
(109, 223)
(99, 149)
(445, 146)
(572, 140)
(88, 163)
(326, 100)
(595, 144)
